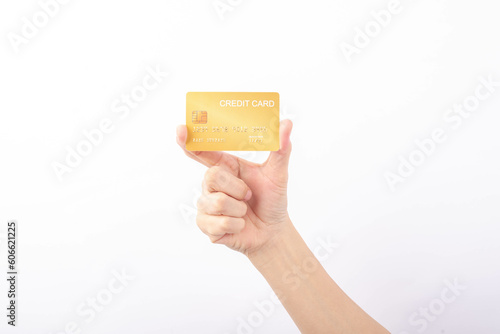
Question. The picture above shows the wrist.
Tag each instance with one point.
(280, 244)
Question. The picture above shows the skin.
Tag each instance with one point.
(244, 206)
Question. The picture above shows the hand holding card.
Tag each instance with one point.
(243, 204)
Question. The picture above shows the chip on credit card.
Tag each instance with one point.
(232, 121)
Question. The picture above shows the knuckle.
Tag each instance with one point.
(222, 178)
(219, 203)
(211, 230)
(225, 223)
(199, 220)
(211, 175)
(214, 170)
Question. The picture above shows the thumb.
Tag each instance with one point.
(277, 163)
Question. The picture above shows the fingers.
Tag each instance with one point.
(221, 204)
(219, 180)
(217, 226)
(207, 158)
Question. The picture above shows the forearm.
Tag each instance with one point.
(311, 297)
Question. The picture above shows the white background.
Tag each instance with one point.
(129, 204)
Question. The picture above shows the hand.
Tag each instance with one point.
(243, 204)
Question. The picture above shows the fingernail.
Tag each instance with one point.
(248, 195)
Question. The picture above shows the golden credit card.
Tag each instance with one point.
(232, 121)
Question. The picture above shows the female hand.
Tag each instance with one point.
(243, 204)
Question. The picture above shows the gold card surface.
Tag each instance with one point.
(232, 121)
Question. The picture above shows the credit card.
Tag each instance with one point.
(232, 121)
